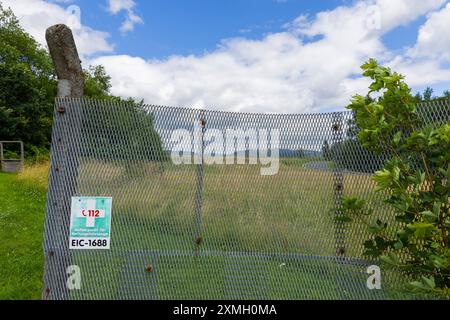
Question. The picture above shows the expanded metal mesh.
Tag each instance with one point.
(212, 231)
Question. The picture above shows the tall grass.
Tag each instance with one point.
(154, 210)
(292, 211)
(35, 175)
(22, 211)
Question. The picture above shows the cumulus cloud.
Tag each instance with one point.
(434, 37)
(420, 72)
(312, 66)
(36, 16)
(131, 19)
(62, 1)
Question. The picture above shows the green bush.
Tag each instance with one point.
(416, 179)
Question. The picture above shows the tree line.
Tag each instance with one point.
(351, 155)
(28, 86)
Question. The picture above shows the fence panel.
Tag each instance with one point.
(249, 214)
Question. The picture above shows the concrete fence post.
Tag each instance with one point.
(65, 155)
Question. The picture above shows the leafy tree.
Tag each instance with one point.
(446, 94)
(97, 83)
(428, 94)
(351, 155)
(129, 130)
(27, 85)
(416, 181)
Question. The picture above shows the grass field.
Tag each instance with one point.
(22, 203)
(258, 233)
(261, 236)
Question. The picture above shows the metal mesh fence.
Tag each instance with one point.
(205, 230)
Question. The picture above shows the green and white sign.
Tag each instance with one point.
(90, 223)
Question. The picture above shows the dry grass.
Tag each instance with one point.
(154, 209)
(292, 211)
(36, 175)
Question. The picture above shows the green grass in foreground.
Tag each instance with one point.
(21, 234)
(154, 219)
(219, 277)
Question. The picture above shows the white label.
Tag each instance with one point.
(90, 223)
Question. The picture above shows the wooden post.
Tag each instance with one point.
(22, 156)
(65, 155)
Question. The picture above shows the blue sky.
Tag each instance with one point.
(270, 56)
(194, 26)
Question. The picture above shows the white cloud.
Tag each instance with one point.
(62, 1)
(36, 16)
(434, 37)
(420, 72)
(116, 6)
(401, 12)
(311, 66)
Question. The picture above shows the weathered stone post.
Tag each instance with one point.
(65, 157)
(64, 53)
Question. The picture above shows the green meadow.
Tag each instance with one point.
(257, 236)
